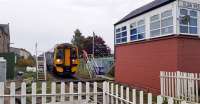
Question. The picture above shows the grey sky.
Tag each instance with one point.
(53, 21)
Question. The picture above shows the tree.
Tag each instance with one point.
(78, 40)
(100, 48)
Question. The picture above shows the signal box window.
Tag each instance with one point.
(188, 21)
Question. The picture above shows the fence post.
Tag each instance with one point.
(87, 91)
(197, 92)
(23, 93)
(1, 92)
(134, 96)
(62, 91)
(79, 92)
(44, 88)
(34, 93)
(122, 93)
(170, 100)
(161, 82)
(127, 95)
(53, 91)
(141, 97)
(12, 93)
(71, 91)
(149, 98)
(178, 84)
(184, 102)
(112, 93)
(159, 100)
(117, 93)
(108, 91)
(104, 92)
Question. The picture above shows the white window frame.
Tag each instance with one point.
(188, 23)
(136, 27)
(121, 37)
(160, 20)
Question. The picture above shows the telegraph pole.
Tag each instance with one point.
(36, 46)
(93, 44)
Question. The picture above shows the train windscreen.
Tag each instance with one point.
(60, 54)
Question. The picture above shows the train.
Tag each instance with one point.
(63, 61)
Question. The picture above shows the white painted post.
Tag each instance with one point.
(170, 101)
(178, 84)
(104, 92)
(149, 98)
(112, 93)
(95, 92)
(185, 85)
(134, 96)
(122, 93)
(23, 93)
(161, 82)
(189, 87)
(127, 95)
(170, 77)
(197, 92)
(193, 88)
(87, 91)
(175, 84)
(79, 92)
(1, 92)
(184, 102)
(71, 91)
(164, 83)
(34, 93)
(173, 93)
(167, 84)
(53, 91)
(141, 97)
(108, 91)
(12, 93)
(159, 100)
(62, 91)
(44, 88)
(117, 93)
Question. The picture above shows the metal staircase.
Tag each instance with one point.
(91, 65)
(41, 67)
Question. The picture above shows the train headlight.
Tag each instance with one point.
(58, 61)
(74, 61)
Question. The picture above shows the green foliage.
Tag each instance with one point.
(78, 40)
(22, 62)
(100, 48)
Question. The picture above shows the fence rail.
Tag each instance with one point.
(76, 93)
(180, 85)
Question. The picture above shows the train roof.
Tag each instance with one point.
(65, 45)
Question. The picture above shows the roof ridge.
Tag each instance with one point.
(143, 9)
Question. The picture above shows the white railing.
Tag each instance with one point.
(119, 94)
(49, 93)
(76, 93)
(180, 85)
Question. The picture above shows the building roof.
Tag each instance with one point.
(146, 8)
(5, 28)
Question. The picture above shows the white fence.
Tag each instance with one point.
(180, 85)
(75, 93)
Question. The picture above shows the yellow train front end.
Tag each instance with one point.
(65, 60)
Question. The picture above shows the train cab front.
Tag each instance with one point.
(65, 61)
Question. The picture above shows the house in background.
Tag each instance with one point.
(20, 52)
(4, 38)
(160, 36)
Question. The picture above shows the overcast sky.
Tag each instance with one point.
(53, 21)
